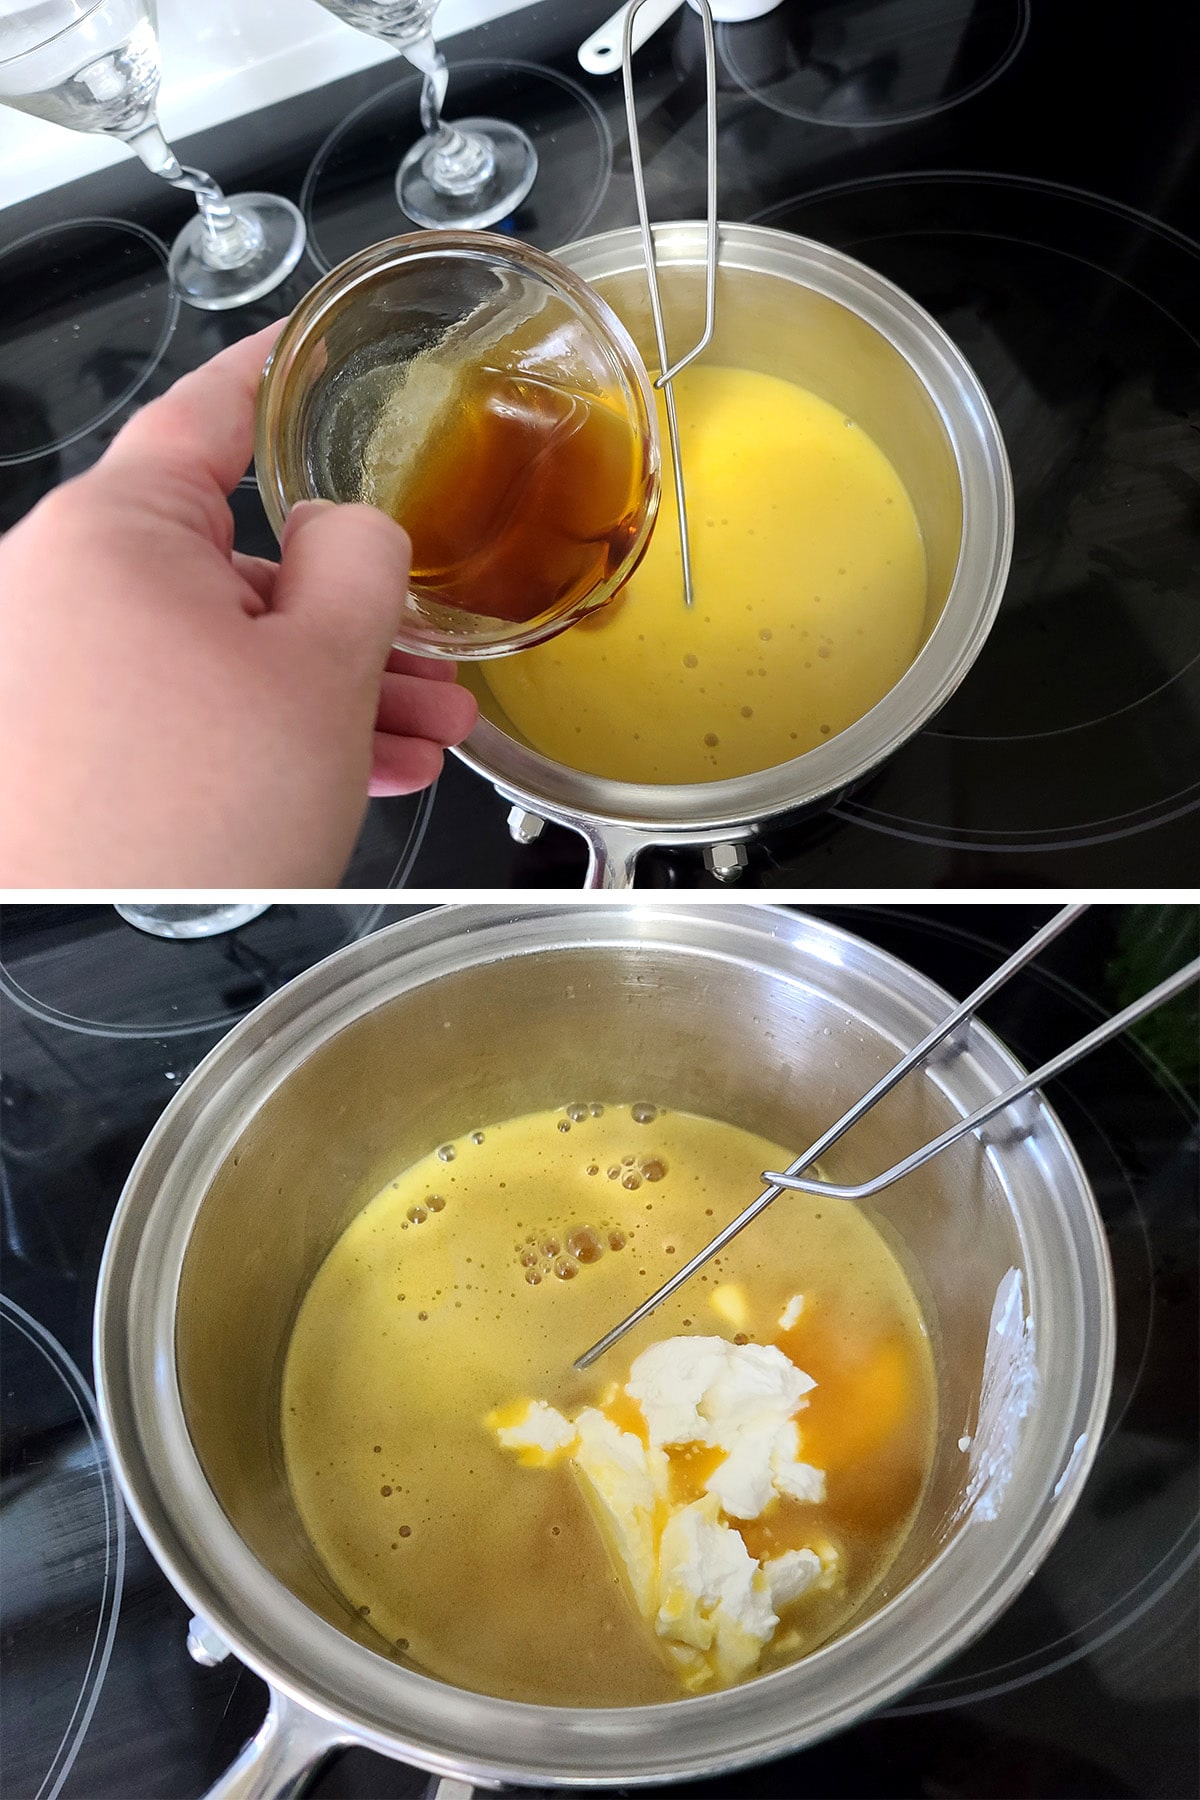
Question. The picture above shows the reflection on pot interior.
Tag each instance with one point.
(810, 588)
(715, 1499)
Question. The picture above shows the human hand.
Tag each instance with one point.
(175, 714)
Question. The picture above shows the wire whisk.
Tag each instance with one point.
(668, 369)
(794, 1177)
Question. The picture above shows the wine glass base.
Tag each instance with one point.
(513, 174)
(182, 922)
(213, 289)
(349, 193)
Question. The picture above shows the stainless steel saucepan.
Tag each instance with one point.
(796, 309)
(769, 1019)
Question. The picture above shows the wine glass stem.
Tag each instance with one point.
(457, 162)
(229, 238)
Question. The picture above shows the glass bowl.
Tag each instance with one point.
(486, 397)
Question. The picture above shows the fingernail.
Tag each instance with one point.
(302, 511)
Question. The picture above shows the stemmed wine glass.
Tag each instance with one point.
(93, 65)
(469, 174)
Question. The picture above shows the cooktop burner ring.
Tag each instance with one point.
(376, 862)
(108, 1607)
(396, 126)
(852, 99)
(1120, 1615)
(92, 359)
(1008, 841)
(1079, 314)
(244, 957)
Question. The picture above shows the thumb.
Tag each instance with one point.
(343, 576)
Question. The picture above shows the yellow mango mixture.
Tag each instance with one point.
(810, 591)
(486, 1544)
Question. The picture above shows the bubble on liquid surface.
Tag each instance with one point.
(653, 1168)
(592, 1169)
(631, 1179)
(614, 1174)
(446, 1153)
(642, 1113)
(435, 1202)
(596, 1110)
(477, 1137)
(565, 1269)
(564, 1124)
(711, 739)
(417, 1214)
(577, 1112)
(584, 1245)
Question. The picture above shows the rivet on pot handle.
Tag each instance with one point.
(278, 1763)
(727, 862)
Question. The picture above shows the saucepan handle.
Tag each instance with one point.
(280, 1760)
(612, 856)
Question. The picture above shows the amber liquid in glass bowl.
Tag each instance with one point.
(491, 403)
(526, 503)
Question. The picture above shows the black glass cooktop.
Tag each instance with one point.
(1031, 174)
(1087, 1686)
